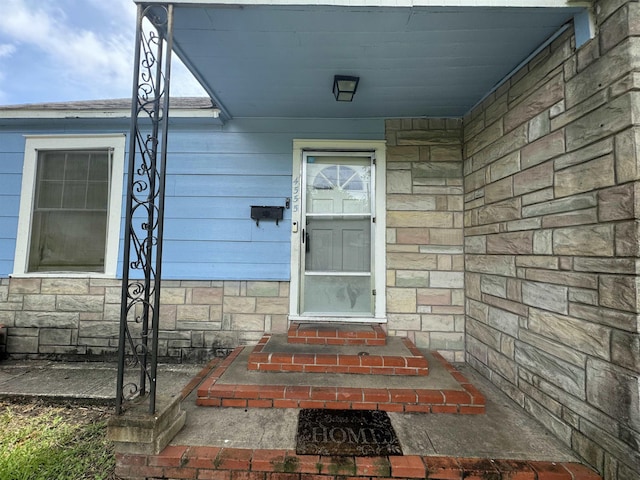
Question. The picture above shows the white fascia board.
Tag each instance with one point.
(381, 3)
(124, 113)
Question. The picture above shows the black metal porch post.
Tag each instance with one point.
(144, 222)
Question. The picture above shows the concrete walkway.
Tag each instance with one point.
(506, 431)
(92, 382)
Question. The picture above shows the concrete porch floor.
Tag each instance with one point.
(506, 431)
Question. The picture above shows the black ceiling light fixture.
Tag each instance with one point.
(344, 87)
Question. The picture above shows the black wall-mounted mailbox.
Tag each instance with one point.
(266, 213)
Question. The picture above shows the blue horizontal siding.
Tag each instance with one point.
(6, 266)
(207, 271)
(241, 230)
(11, 142)
(11, 163)
(209, 230)
(214, 176)
(344, 128)
(7, 249)
(10, 206)
(230, 142)
(268, 231)
(215, 207)
(228, 164)
(8, 226)
(10, 184)
(194, 251)
(228, 185)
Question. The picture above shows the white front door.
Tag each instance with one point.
(337, 224)
(335, 235)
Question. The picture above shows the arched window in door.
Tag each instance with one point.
(338, 177)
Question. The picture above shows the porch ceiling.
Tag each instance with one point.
(260, 60)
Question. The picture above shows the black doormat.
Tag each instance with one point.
(360, 433)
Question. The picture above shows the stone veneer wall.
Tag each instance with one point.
(551, 240)
(65, 317)
(425, 261)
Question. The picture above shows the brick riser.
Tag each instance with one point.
(235, 463)
(467, 401)
(338, 363)
(327, 335)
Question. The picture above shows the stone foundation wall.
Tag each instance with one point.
(551, 238)
(64, 317)
(425, 261)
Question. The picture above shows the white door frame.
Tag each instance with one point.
(378, 147)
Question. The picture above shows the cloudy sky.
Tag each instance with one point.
(62, 50)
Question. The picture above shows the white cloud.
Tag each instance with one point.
(95, 62)
(7, 49)
(79, 55)
(183, 83)
(117, 12)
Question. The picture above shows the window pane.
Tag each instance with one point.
(74, 195)
(350, 179)
(97, 196)
(326, 178)
(68, 241)
(338, 245)
(51, 165)
(336, 295)
(77, 166)
(338, 184)
(50, 195)
(99, 166)
(70, 215)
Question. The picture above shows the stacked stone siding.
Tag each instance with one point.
(64, 317)
(425, 261)
(551, 238)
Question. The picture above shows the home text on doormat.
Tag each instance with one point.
(360, 433)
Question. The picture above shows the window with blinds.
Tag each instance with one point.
(70, 211)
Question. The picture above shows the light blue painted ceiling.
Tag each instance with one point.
(279, 61)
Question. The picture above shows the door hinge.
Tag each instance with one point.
(373, 219)
(373, 292)
(373, 158)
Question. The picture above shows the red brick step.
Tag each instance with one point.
(466, 400)
(209, 462)
(337, 334)
(370, 362)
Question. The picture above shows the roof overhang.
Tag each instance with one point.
(184, 110)
(416, 58)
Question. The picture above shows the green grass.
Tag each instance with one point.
(48, 443)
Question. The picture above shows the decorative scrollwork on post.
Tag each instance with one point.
(142, 256)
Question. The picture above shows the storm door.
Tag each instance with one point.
(336, 267)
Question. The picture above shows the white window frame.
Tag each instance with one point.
(379, 211)
(34, 144)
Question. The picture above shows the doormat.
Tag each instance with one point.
(360, 433)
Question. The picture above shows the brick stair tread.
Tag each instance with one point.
(184, 461)
(274, 353)
(336, 334)
(457, 395)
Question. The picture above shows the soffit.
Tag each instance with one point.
(279, 60)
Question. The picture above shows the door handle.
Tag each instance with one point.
(306, 241)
